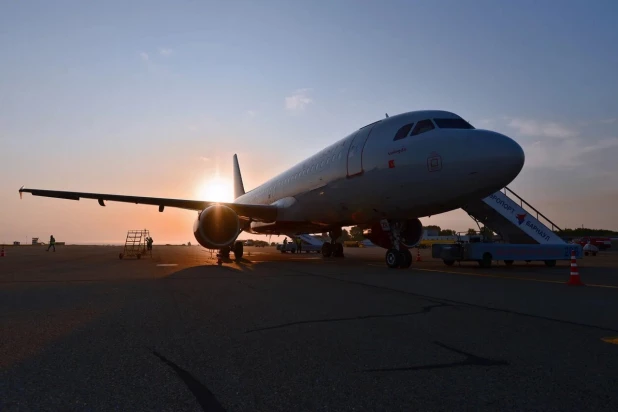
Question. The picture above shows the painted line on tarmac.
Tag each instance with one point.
(612, 339)
(487, 275)
(501, 276)
(167, 264)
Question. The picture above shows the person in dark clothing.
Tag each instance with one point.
(52, 243)
(299, 244)
(149, 243)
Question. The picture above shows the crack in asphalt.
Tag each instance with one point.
(203, 395)
(423, 310)
(460, 303)
(471, 360)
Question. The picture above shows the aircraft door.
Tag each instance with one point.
(355, 152)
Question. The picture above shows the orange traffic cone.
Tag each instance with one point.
(2, 252)
(574, 280)
(418, 254)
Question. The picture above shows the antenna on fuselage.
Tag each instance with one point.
(386, 115)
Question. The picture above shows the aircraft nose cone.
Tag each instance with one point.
(514, 157)
(509, 152)
(502, 157)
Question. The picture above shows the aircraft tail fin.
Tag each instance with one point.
(239, 188)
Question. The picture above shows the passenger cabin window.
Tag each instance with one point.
(452, 124)
(403, 131)
(422, 127)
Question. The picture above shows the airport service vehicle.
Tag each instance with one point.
(486, 252)
(602, 243)
(383, 176)
(309, 244)
(291, 247)
(590, 249)
(427, 241)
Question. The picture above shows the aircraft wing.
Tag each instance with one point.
(267, 213)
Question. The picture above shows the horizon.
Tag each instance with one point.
(153, 99)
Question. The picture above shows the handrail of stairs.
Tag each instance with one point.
(554, 226)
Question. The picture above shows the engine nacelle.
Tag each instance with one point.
(411, 234)
(216, 227)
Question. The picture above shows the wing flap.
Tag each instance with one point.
(266, 213)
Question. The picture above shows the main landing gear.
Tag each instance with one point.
(224, 253)
(397, 256)
(333, 248)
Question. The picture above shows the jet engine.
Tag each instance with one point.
(216, 227)
(411, 234)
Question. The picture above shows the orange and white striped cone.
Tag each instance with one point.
(574, 279)
(418, 254)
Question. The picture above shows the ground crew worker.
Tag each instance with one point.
(285, 243)
(52, 243)
(299, 242)
(149, 243)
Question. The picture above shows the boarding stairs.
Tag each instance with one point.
(135, 244)
(514, 219)
(310, 240)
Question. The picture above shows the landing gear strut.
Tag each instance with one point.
(333, 248)
(238, 250)
(397, 256)
(224, 252)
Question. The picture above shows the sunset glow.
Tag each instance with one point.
(217, 189)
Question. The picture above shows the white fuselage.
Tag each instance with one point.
(368, 175)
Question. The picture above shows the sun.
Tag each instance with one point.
(216, 189)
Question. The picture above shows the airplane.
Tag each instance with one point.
(383, 177)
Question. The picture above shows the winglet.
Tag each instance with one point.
(239, 188)
(20, 192)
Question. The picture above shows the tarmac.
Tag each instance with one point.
(82, 330)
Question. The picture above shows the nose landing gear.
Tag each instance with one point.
(397, 256)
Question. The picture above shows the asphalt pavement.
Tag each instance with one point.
(82, 330)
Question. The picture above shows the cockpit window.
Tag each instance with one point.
(403, 132)
(452, 124)
(422, 127)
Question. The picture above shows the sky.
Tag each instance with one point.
(153, 98)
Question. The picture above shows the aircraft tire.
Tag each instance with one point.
(337, 250)
(238, 250)
(327, 249)
(393, 258)
(406, 259)
(225, 252)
